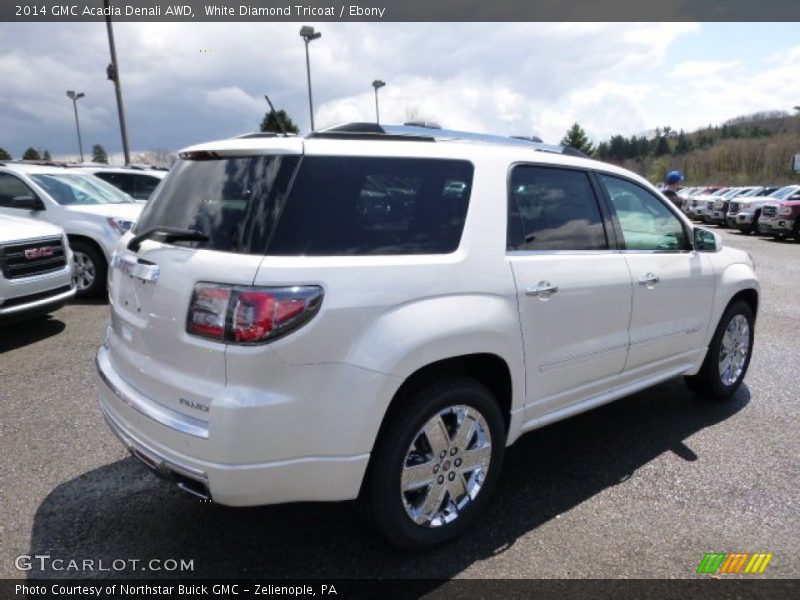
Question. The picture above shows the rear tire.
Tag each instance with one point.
(90, 270)
(728, 355)
(422, 489)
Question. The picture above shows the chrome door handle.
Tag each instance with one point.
(543, 290)
(650, 280)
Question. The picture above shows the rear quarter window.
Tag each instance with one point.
(351, 206)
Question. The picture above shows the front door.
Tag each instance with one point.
(673, 286)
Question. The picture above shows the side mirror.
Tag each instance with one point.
(27, 203)
(706, 241)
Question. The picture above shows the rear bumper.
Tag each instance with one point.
(176, 448)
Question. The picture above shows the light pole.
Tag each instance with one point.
(112, 72)
(309, 35)
(377, 84)
(75, 97)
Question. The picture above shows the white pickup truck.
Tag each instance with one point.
(35, 268)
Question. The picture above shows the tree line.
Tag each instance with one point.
(99, 154)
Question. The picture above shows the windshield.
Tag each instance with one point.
(784, 192)
(754, 192)
(80, 190)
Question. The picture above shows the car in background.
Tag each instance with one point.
(35, 267)
(139, 182)
(780, 217)
(749, 205)
(93, 213)
(717, 210)
(699, 202)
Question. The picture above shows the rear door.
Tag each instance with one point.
(673, 286)
(574, 292)
(231, 199)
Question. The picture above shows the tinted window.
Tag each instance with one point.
(553, 209)
(10, 188)
(363, 205)
(145, 184)
(234, 201)
(647, 224)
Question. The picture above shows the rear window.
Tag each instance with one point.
(360, 206)
(337, 206)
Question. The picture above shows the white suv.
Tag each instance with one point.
(35, 268)
(379, 311)
(92, 212)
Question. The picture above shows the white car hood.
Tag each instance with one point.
(17, 229)
(129, 211)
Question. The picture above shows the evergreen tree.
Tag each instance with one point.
(269, 124)
(661, 146)
(4, 155)
(576, 138)
(31, 154)
(99, 154)
(46, 155)
(684, 144)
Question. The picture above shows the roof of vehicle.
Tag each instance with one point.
(151, 171)
(359, 139)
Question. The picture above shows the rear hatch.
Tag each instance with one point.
(232, 197)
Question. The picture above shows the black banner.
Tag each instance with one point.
(408, 10)
(551, 589)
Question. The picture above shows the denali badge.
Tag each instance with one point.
(193, 404)
(43, 252)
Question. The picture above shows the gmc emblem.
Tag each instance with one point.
(43, 252)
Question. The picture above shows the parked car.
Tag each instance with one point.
(93, 213)
(35, 267)
(749, 206)
(322, 352)
(696, 204)
(717, 210)
(138, 182)
(780, 217)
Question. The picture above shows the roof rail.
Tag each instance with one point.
(425, 124)
(261, 134)
(427, 133)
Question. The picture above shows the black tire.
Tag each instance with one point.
(98, 263)
(382, 499)
(708, 382)
(796, 230)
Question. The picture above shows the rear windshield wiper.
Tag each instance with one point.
(168, 233)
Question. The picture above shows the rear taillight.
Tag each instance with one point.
(250, 315)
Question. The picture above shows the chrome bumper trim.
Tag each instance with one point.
(163, 467)
(160, 414)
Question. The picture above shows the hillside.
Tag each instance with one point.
(749, 149)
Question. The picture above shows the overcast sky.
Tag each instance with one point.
(191, 82)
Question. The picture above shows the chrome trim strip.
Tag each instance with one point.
(160, 414)
(569, 360)
(36, 304)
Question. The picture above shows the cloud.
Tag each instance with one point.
(190, 82)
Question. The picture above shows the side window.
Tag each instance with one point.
(10, 188)
(553, 209)
(647, 224)
(145, 184)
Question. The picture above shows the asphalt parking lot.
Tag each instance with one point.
(640, 488)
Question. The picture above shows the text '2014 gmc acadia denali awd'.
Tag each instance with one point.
(377, 312)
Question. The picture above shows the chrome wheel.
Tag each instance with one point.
(734, 350)
(445, 466)
(84, 272)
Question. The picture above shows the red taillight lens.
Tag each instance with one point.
(250, 315)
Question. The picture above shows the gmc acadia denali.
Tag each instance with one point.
(376, 312)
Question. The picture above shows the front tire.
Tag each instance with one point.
(89, 270)
(728, 354)
(435, 464)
